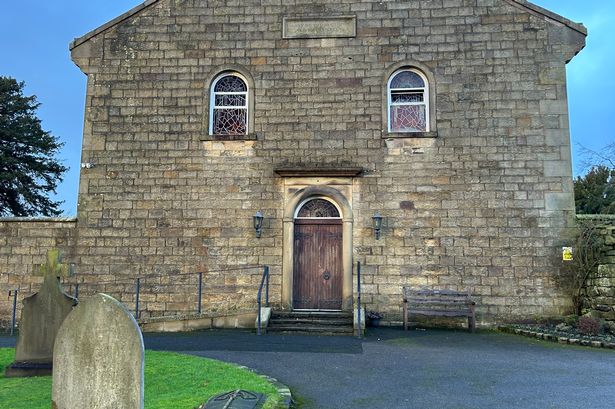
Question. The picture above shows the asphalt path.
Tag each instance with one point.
(392, 369)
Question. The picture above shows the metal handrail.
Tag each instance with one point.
(14, 318)
(359, 298)
(68, 281)
(264, 283)
(138, 282)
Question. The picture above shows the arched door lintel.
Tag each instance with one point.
(333, 194)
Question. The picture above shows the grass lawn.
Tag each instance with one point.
(172, 381)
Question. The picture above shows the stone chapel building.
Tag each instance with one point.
(447, 118)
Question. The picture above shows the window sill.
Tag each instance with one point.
(249, 137)
(397, 135)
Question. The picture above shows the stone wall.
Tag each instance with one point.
(23, 243)
(482, 202)
(600, 289)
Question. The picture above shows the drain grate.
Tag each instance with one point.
(238, 399)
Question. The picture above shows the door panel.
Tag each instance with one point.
(317, 277)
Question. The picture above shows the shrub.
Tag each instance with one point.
(571, 320)
(587, 256)
(588, 325)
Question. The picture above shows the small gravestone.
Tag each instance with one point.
(98, 358)
(41, 317)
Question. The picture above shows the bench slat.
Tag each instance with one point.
(438, 303)
(440, 300)
(441, 313)
(434, 292)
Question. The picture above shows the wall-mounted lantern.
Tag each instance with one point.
(377, 224)
(258, 223)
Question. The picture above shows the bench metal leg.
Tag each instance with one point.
(405, 315)
(472, 319)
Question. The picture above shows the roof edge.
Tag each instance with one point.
(548, 15)
(69, 219)
(112, 23)
(523, 4)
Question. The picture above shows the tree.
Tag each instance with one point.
(28, 167)
(594, 193)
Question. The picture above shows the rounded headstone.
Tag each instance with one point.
(98, 358)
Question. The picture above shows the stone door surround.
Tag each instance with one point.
(296, 193)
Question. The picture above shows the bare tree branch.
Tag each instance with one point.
(605, 156)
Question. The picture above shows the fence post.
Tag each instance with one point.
(14, 315)
(200, 296)
(137, 298)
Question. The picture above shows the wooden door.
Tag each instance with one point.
(317, 273)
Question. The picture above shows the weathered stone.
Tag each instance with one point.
(604, 308)
(609, 327)
(490, 184)
(98, 358)
(41, 318)
(608, 316)
(607, 270)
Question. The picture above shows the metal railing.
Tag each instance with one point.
(138, 290)
(359, 328)
(265, 283)
(13, 315)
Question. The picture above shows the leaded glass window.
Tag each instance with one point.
(318, 208)
(229, 105)
(408, 102)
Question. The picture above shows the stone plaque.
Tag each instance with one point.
(319, 27)
(98, 358)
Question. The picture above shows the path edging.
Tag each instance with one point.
(555, 338)
(283, 390)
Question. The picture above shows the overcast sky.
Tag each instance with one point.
(34, 48)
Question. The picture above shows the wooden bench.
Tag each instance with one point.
(439, 303)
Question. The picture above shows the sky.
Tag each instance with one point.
(35, 34)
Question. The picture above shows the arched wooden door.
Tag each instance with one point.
(317, 264)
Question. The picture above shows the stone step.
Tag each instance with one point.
(303, 314)
(312, 330)
(311, 322)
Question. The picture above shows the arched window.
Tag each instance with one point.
(317, 208)
(408, 101)
(228, 106)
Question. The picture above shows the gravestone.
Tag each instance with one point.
(41, 317)
(98, 358)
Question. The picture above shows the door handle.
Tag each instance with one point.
(326, 275)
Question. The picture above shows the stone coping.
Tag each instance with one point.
(595, 216)
(283, 390)
(548, 14)
(110, 24)
(556, 338)
(39, 219)
(193, 316)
